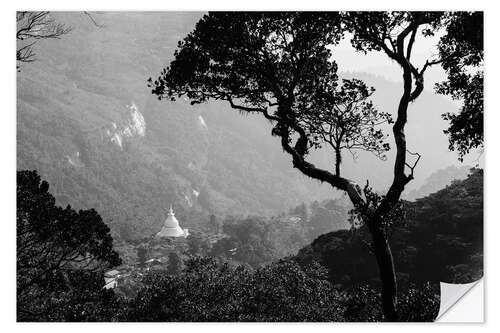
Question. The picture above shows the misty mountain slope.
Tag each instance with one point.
(438, 180)
(89, 124)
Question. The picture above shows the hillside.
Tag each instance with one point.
(442, 241)
(438, 180)
(89, 124)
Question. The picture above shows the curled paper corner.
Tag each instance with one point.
(459, 303)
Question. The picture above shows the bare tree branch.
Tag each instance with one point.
(33, 26)
(412, 167)
(89, 15)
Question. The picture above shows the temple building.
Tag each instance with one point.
(171, 227)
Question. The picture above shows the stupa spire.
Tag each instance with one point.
(171, 227)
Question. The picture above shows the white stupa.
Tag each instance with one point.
(171, 227)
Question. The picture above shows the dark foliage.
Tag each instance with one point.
(442, 240)
(61, 255)
(206, 291)
(463, 50)
(417, 303)
(282, 291)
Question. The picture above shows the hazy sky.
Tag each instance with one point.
(378, 63)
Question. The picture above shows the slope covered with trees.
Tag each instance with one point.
(441, 240)
(79, 113)
(438, 180)
(241, 277)
(88, 124)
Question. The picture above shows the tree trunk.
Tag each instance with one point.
(382, 249)
(338, 160)
(386, 268)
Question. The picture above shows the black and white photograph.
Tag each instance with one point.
(247, 165)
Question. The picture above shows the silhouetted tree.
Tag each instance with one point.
(462, 50)
(344, 119)
(61, 255)
(441, 241)
(395, 33)
(275, 64)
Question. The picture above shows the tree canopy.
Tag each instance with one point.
(279, 65)
(462, 50)
(60, 252)
(272, 64)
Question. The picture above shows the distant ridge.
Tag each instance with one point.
(438, 180)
